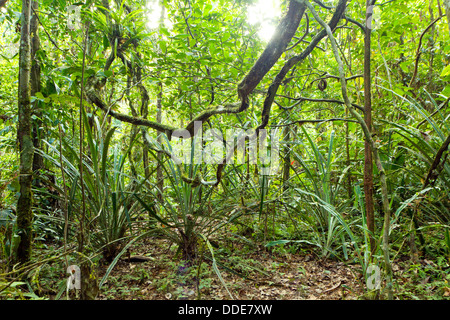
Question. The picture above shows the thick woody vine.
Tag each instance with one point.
(283, 35)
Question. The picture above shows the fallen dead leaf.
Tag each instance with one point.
(447, 292)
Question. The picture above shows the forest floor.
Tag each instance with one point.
(255, 273)
(248, 271)
(263, 275)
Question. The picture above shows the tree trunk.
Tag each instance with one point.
(287, 157)
(89, 284)
(144, 114)
(348, 160)
(447, 12)
(38, 161)
(24, 212)
(368, 162)
(159, 170)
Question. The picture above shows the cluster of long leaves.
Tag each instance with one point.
(184, 209)
(109, 205)
(9, 240)
(315, 199)
(422, 147)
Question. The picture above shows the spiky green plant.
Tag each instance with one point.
(422, 147)
(185, 211)
(108, 190)
(316, 201)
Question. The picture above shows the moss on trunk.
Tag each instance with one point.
(24, 212)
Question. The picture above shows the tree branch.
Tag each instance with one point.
(418, 52)
(277, 45)
(301, 99)
(360, 25)
(340, 8)
(328, 76)
(437, 110)
(284, 32)
(301, 122)
(437, 165)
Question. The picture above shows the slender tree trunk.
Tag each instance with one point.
(368, 162)
(89, 284)
(347, 153)
(38, 161)
(431, 42)
(144, 114)
(350, 39)
(24, 211)
(447, 12)
(287, 157)
(159, 170)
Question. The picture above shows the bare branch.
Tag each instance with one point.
(304, 35)
(361, 26)
(297, 59)
(418, 51)
(284, 32)
(437, 110)
(328, 76)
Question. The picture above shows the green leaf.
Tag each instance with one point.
(216, 269)
(164, 31)
(162, 45)
(446, 91)
(446, 72)
(40, 96)
(277, 242)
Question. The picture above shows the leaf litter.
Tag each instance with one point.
(267, 276)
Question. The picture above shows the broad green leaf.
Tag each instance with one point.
(446, 72)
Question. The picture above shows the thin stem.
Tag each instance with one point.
(83, 200)
(66, 213)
